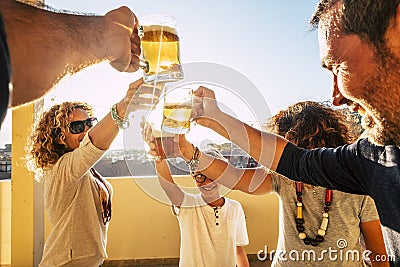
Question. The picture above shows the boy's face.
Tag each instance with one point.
(206, 186)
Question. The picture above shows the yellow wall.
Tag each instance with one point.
(22, 193)
(5, 222)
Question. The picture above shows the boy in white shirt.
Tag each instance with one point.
(213, 228)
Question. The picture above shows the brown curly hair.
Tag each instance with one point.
(311, 124)
(47, 141)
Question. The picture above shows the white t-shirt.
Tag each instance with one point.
(207, 240)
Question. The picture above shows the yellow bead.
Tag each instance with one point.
(302, 235)
(299, 212)
(321, 232)
(324, 224)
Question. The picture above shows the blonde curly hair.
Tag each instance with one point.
(47, 141)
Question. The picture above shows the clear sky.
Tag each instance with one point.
(268, 42)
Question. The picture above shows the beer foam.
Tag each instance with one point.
(158, 133)
(151, 28)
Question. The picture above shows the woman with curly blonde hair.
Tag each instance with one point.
(65, 145)
(48, 139)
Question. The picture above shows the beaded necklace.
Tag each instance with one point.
(299, 218)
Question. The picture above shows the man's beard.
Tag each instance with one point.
(382, 102)
(375, 132)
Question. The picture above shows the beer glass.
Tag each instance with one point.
(164, 143)
(151, 93)
(178, 104)
(160, 49)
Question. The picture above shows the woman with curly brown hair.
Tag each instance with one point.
(313, 220)
(65, 145)
(317, 216)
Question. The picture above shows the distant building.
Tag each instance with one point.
(137, 168)
(5, 162)
(134, 162)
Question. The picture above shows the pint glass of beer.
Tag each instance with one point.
(165, 146)
(178, 104)
(160, 49)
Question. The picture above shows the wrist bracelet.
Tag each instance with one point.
(194, 161)
(121, 122)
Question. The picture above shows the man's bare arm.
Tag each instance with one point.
(264, 147)
(45, 46)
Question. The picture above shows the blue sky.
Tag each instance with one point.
(269, 42)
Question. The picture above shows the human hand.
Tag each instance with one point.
(145, 97)
(122, 39)
(164, 145)
(131, 102)
(205, 106)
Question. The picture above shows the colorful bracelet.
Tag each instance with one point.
(194, 161)
(121, 122)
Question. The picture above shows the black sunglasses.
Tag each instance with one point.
(200, 178)
(77, 127)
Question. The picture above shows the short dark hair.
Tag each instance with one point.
(367, 18)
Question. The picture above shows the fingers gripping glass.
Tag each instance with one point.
(200, 178)
(77, 127)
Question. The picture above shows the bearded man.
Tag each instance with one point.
(360, 45)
